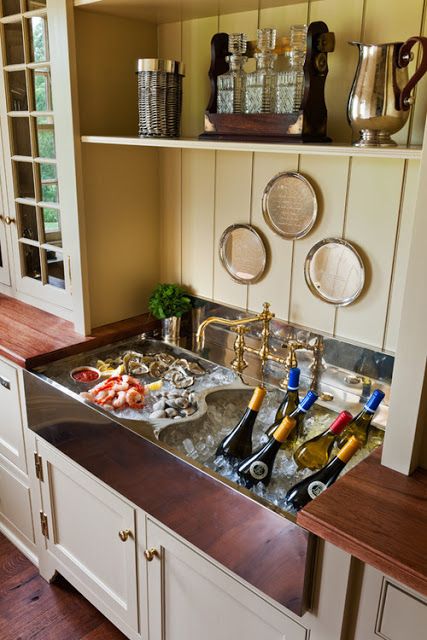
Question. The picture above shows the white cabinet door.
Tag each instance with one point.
(4, 261)
(15, 507)
(84, 521)
(190, 598)
(11, 430)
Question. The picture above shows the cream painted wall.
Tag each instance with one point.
(370, 202)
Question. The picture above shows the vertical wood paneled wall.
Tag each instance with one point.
(368, 201)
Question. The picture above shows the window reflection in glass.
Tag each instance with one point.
(39, 42)
(11, 7)
(42, 90)
(27, 220)
(17, 91)
(49, 182)
(24, 180)
(55, 269)
(21, 138)
(31, 261)
(52, 226)
(45, 137)
(14, 43)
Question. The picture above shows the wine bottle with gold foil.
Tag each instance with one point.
(314, 453)
(299, 415)
(237, 445)
(361, 423)
(291, 400)
(259, 466)
(309, 488)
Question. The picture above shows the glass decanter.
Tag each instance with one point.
(259, 94)
(231, 85)
(289, 89)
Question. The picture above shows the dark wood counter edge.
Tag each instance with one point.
(259, 545)
(378, 516)
(30, 337)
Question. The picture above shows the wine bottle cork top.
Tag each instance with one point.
(257, 398)
(284, 429)
(340, 422)
(349, 449)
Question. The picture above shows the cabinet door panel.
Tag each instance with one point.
(191, 598)
(15, 505)
(84, 520)
(11, 433)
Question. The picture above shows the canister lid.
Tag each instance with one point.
(158, 64)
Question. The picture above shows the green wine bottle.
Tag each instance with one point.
(361, 423)
(309, 488)
(299, 415)
(314, 453)
(291, 400)
(237, 445)
(259, 466)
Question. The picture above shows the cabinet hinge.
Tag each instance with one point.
(44, 525)
(38, 465)
(70, 280)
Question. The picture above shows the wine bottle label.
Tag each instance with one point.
(315, 489)
(258, 470)
(257, 398)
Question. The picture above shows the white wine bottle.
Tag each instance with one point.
(314, 453)
(361, 423)
(291, 400)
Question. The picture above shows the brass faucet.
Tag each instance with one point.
(264, 353)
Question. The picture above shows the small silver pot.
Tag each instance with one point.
(171, 329)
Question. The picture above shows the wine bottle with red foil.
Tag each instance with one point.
(237, 445)
(314, 453)
(309, 488)
(259, 466)
(291, 400)
(361, 423)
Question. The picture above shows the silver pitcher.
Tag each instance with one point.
(380, 97)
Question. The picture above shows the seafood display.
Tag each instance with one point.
(85, 375)
(118, 392)
(174, 404)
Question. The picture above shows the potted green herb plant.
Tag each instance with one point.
(168, 303)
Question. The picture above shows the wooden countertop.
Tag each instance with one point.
(379, 516)
(30, 337)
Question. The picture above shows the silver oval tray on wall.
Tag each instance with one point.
(289, 205)
(334, 271)
(242, 253)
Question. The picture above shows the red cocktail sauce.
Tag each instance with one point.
(85, 375)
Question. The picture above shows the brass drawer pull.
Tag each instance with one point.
(151, 553)
(124, 534)
(9, 220)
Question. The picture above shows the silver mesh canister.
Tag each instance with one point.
(159, 97)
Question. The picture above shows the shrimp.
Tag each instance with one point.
(120, 400)
(120, 386)
(134, 399)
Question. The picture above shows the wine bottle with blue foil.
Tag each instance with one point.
(237, 445)
(259, 466)
(299, 414)
(361, 423)
(309, 488)
(291, 400)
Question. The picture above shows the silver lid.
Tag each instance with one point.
(158, 64)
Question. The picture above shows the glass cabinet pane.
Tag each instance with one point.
(39, 43)
(21, 138)
(55, 269)
(49, 183)
(33, 5)
(45, 137)
(27, 222)
(14, 43)
(42, 90)
(17, 91)
(24, 180)
(11, 7)
(31, 261)
(52, 226)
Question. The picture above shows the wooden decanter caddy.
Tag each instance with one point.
(306, 125)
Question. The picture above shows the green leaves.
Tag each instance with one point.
(168, 300)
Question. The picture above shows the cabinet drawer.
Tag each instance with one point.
(11, 431)
(402, 616)
(15, 505)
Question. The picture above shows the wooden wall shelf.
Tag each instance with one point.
(407, 153)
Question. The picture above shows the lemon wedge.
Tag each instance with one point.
(154, 386)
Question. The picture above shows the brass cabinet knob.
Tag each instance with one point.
(150, 554)
(8, 220)
(124, 534)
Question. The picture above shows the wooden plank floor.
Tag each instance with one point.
(32, 609)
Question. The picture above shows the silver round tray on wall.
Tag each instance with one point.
(289, 205)
(334, 271)
(242, 253)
